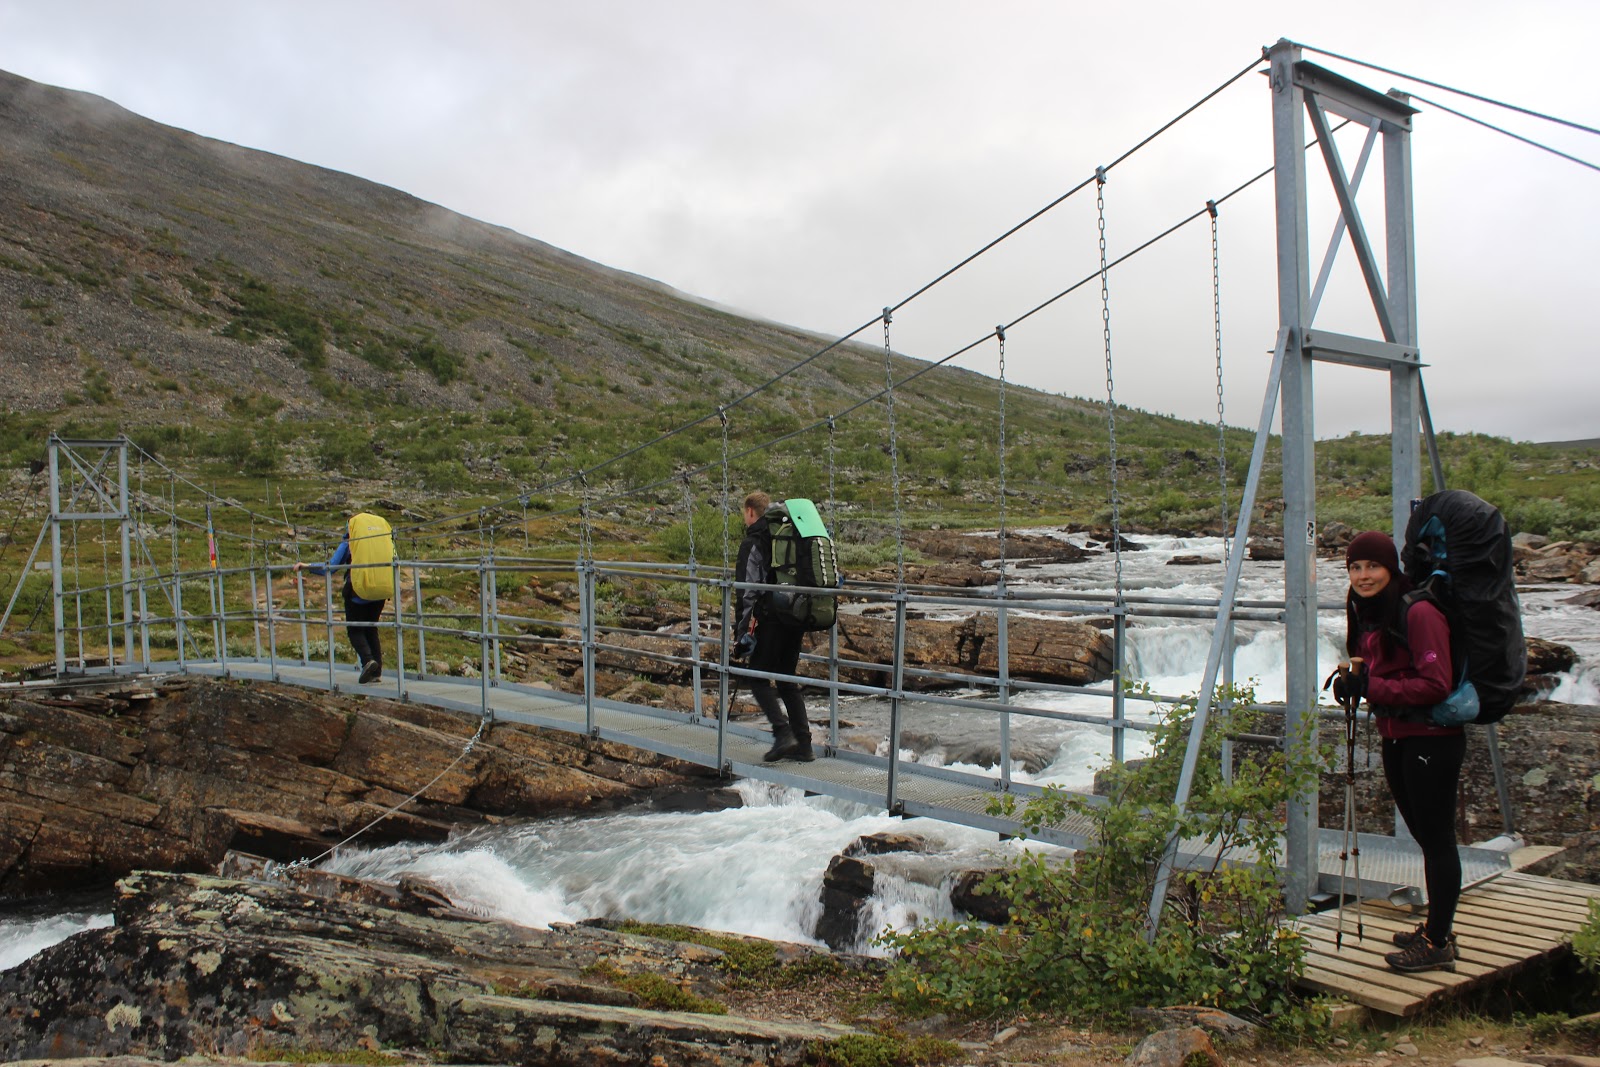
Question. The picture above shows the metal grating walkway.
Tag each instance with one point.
(1389, 867)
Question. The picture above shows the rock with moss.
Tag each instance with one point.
(199, 964)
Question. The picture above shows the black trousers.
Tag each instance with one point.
(778, 651)
(364, 639)
(1423, 773)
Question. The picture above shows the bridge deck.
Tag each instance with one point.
(1502, 927)
(1387, 865)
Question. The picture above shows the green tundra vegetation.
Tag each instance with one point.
(505, 475)
(947, 463)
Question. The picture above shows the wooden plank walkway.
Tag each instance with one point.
(1502, 926)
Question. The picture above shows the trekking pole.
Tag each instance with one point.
(1352, 837)
(1349, 846)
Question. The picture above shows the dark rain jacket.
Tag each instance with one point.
(755, 558)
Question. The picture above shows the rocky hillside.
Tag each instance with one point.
(145, 262)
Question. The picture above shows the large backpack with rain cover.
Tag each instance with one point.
(802, 555)
(371, 557)
(1458, 554)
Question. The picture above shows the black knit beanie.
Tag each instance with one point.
(1375, 546)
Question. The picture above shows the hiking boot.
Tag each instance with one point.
(371, 671)
(1423, 955)
(803, 752)
(1405, 938)
(783, 744)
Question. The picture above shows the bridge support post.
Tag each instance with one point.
(1302, 91)
(94, 496)
(1299, 453)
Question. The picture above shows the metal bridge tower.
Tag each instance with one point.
(1302, 91)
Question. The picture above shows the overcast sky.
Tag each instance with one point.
(812, 163)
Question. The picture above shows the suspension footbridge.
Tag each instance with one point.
(263, 621)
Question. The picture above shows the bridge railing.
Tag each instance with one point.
(272, 613)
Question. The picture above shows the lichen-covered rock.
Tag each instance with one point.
(199, 964)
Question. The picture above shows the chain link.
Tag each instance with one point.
(1216, 329)
(585, 545)
(688, 512)
(1111, 401)
(722, 417)
(894, 455)
(1000, 332)
(831, 506)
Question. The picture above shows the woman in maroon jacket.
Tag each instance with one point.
(1402, 668)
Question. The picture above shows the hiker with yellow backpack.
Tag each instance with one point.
(367, 556)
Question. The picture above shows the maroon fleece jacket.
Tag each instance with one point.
(1403, 679)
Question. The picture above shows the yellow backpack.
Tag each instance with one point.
(371, 556)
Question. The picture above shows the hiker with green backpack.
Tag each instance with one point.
(785, 544)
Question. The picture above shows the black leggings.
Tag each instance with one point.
(778, 651)
(364, 639)
(1422, 773)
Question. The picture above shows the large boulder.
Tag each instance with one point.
(847, 886)
(1562, 561)
(1040, 649)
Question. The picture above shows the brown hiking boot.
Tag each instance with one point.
(1405, 938)
(1423, 955)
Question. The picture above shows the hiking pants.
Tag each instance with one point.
(364, 639)
(778, 651)
(1423, 773)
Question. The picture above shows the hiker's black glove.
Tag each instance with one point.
(1350, 687)
(746, 647)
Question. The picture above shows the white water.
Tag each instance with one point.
(21, 938)
(758, 869)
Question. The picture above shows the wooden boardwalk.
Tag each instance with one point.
(1502, 926)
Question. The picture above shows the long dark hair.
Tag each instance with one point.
(1381, 613)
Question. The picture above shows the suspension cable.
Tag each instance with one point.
(1111, 398)
(1508, 133)
(928, 368)
(878, 395)
(775, 379)
(209, 495)
(1448, 89)
(483, 724)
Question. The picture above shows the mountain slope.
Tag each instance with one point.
(151, 258)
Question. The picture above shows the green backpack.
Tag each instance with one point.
(802, 555)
